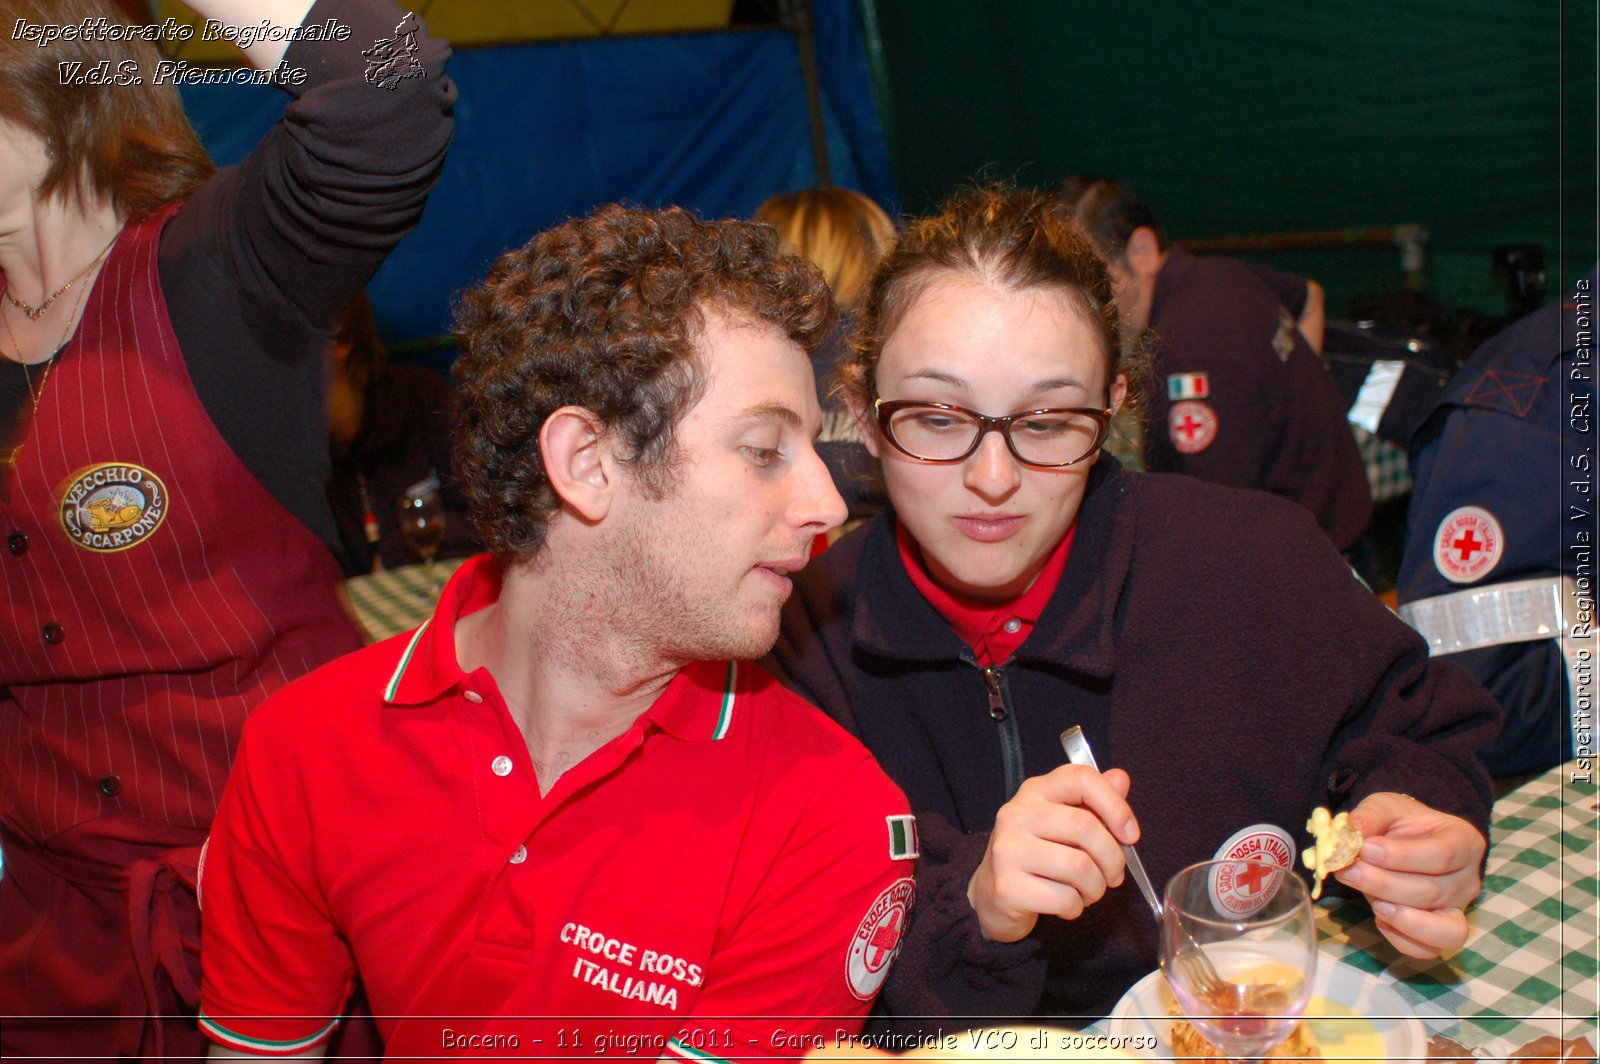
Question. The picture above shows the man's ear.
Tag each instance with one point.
(1143, 253)
(577, 460)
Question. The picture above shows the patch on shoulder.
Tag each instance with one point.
(1468, 544)
(1192, 425)
(903, 838)
(1188, 386)
(877, 940)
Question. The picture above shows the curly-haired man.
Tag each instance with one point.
(561, 797)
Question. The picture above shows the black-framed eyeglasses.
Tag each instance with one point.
(939, 432)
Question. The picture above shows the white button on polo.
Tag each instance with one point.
(501, 765)
(1013, 625)
(520, 856)
(472, 696)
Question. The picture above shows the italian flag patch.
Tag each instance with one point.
(1188, 386)
(903, 838)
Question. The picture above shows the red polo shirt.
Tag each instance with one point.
(994, 631)
(732, 865)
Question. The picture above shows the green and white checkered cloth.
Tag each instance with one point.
(1529, 965)
(1388, 471)
(397, 600)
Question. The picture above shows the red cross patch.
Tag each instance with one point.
(1192, 425)
(877, 939)
(1468, 545)
(1240, 889)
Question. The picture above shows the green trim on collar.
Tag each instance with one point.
(405, 659)
(725, 717)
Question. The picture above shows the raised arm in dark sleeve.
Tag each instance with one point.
(263, 256)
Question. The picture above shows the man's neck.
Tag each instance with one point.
(571, 681)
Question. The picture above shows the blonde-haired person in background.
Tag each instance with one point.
(845, 233)
(839, 229)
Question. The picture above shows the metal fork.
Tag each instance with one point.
(1195, 968)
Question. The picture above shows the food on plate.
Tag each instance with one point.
(1243, 1004)
(1189, 1044)
(1338, 844)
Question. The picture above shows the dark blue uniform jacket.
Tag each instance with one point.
(1514, 435)
(1210, 641)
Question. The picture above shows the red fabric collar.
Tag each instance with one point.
(698, 704)
(987, 627)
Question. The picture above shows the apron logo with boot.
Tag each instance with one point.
(112, 506)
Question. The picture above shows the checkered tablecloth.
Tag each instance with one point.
(397, 600)
(1528, 968)
(1388, 471)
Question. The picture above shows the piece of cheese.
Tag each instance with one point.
(1338, 844)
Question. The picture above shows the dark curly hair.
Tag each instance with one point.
(603, 313)
(1006, 236)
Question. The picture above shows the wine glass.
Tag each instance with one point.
(1252, 920)
(421, 514)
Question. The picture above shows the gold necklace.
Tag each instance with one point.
(33, 313)
(36, 397)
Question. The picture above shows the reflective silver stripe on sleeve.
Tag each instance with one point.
(1488, 616)
(1518, 611)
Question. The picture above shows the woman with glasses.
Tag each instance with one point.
(1210, 642)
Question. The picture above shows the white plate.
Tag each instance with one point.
(1143, 1012)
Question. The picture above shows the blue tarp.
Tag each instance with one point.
(715, 122)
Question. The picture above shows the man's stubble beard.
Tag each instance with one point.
(639, 583)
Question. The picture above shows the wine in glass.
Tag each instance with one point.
(421, 514)
(1252, 920)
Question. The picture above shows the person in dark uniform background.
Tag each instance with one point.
(1496, 530)
(390, 432)
(1302, 297)
(1241, 397)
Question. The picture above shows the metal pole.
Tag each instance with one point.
(796, 15)
(878, 70)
